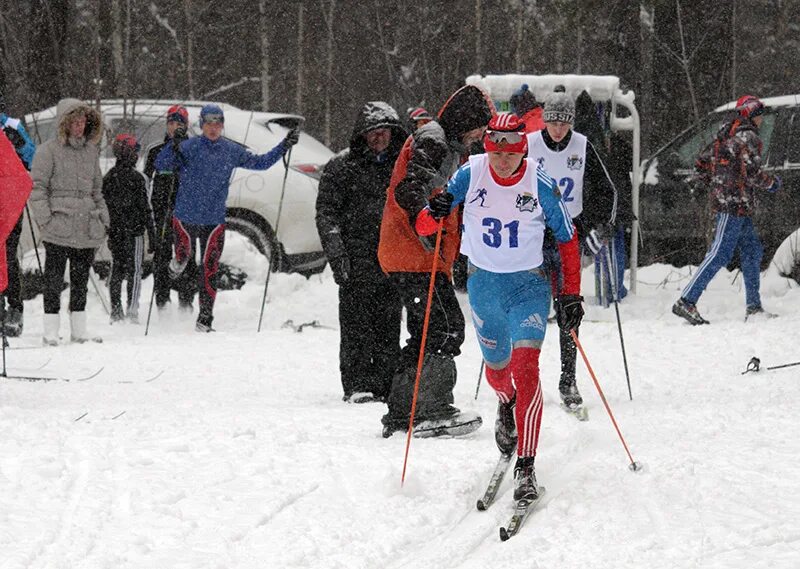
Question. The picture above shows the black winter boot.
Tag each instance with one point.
(525, 486)
(505, 427)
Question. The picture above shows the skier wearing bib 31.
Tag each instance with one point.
(509, 291)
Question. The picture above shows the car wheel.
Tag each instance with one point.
(260, 236)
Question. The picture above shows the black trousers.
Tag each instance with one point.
(13, 293)
(446, 325)
(127, 253)
(369, 322)
(212, 242)
(445, 336)
(186, 284)
(55, 263)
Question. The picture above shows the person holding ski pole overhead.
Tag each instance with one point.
(508, 286)
(204, 165)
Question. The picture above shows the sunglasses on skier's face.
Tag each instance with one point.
(509, 137)
(213, 118)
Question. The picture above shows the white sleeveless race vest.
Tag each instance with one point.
(503, 225)
(567, 167)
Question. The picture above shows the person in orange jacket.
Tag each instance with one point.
(428, 158)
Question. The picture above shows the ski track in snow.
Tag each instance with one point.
(242, 455)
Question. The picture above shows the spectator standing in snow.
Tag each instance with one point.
(428, 158)
(67, 202)
(125, 193)
(204, 166)
(25, 149)
(164, 187)
(417, 117)
(508, 286)
(352, 192)
(591, 199)
(731, 168)
(524, 105)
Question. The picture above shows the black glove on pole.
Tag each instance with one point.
(569, 311)
(441, 204)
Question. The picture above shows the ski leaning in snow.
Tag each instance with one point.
(494, 482)
(38, 378)
(577, 410)
(522, 509)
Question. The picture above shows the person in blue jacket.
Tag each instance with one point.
(25, 148)
(204, 165)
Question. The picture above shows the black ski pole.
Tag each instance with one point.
(159, 251)
(33, 238)
(755, 365)
(286, 160)
(480, 376)
(614, 288)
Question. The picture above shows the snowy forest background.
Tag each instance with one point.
(324, 58)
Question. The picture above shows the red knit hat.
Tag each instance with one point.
(505, 133)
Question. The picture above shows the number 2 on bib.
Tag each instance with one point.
(493, 237)
(566, 185)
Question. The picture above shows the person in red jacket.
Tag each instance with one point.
(527, 108)
(426, 161)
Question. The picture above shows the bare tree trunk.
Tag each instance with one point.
(189, 15)
(328, 16)
(298, 101)
(647, 15)
(733, 49)
(98, 74)
(520, 38)
(478, 47)
(264, 33)
(120, 73)
(685, 60)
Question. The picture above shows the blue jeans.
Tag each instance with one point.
(732, 233)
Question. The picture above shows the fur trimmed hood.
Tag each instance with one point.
(94, 122)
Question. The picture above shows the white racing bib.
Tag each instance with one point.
(567, 167)
(503, 225)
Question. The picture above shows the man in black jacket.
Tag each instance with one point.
(164, 188)
(352, 192)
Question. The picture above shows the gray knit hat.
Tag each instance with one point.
(559, 107)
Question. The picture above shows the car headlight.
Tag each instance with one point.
(310, 170)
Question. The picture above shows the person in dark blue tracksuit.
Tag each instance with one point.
(204, 165)
(732, 168)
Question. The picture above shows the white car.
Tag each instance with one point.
(255, 196)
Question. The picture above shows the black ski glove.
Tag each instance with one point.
(597, 239)
(291, 139)
(341, 269)
(178, 136)
(569, 311)
(441, 204)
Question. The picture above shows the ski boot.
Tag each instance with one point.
(13, 323)
(505, 428)
(568, 389)
(525, 486)
(756, 313)
(688, 311)
(116, 314)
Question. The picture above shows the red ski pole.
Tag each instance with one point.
(635, 466)
(424, 339)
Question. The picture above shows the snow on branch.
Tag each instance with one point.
(229, 86)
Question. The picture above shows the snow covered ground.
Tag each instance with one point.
(242, 454)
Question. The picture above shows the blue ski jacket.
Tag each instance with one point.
(24, 146)
(204, 168)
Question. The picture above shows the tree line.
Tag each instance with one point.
(325, 58)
